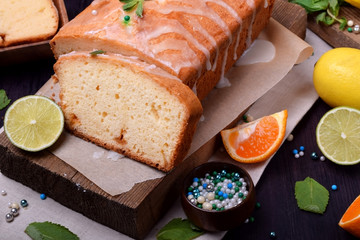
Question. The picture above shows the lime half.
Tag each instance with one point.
(338, 135)
(33, 123)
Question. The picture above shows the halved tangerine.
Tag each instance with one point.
(256, 141)
(350, 221)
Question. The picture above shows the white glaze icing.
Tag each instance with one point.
(176, 53)
(261, 51)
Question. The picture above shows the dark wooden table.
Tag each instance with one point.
(275, 191)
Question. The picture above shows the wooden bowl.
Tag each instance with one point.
(212, 220)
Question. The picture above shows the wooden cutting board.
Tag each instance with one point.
(135, 212)
(333, 35)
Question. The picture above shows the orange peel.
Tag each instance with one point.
(256, 141)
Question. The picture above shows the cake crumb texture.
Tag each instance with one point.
(24, 21)
(118, 103)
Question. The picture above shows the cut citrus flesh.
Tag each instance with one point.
(350, 221)
(33, 123)
(255, 141)
(338, 135)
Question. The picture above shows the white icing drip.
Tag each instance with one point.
(251, 4)
(237, 43)
(266, 3)
(205, 11)
(114, 156)
(228, 8)
(222, 77)
(236, 16)
(261, 51)
(97, 155)
(224, 82)
(174, 26)
(194, 89)
(197, 27)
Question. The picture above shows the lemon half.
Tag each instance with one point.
(338, 135)
(33, 123)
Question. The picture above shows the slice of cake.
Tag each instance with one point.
(128, 106)
(23, 21)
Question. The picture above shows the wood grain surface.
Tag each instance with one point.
(333, 35)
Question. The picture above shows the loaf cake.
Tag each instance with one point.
(195, 41)
(24, 21)
(128, 106)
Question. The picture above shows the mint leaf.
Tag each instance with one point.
(312, 6)
(311, 196)
(94, 53)
(327, 10)
(179, 229)
(325, 19)
(140, 9)
(49, 231)
(343, 23)
(130, 4)
(334, 7)
(4, 101)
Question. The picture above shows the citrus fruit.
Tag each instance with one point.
(336, 77)
(350, 221)
(33, 122)
(355, 3)
(338, 135)
(255, 141)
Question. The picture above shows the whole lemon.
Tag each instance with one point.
(337, 77)
(355, 3)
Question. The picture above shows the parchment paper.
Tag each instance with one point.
(115, 174)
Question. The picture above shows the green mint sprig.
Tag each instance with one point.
(48, 230)
(179, 229)
(131, 4)
(4, 100)
(96, 52)
(311, 196)
(327, 11)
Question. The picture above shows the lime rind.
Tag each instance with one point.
(338, 135)
(49, 122)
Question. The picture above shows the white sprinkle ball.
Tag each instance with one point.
(250, 118)
(94, 12)
(3, 192)
(301, 153)
(356, 29)
(297, 155)
(350, 23)
(290, 137)
(322, 158)
(201, 199)
(210, 196)
(207, 206)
